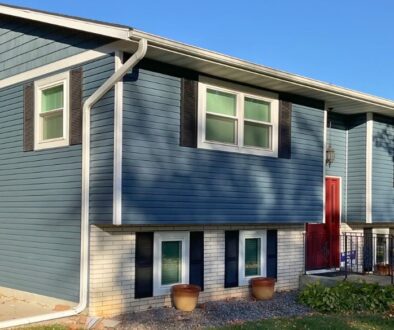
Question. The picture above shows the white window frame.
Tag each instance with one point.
(241, 93)
(159, 237)
(39, 86)
(244, 234)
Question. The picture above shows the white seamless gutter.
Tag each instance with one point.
(87, 107)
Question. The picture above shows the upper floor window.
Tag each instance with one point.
(237, 118)
(51, 113)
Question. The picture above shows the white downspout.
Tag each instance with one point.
(87, 107)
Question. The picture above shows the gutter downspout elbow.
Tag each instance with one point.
(84, 263)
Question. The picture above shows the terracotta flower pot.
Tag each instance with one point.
(185, 296)
(383, 269)
(263, 287)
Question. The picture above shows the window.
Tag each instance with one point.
(51, 121)
(171, 260)
(237, 118)
(252, 255)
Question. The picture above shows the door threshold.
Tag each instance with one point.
(321, 271)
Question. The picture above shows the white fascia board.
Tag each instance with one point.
(61, 64)
(108, 30)
(229, 61)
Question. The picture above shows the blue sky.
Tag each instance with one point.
(345, 42)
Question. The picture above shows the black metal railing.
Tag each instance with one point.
(357, 253)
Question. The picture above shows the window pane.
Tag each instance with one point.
(52, 126)
(171, 262)
(221, 103)
(252, 256)
(257, 135)
(220, 129)
(257, 110)
(52, 98)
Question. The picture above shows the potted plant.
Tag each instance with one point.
(185, 296)
(383, 269)
(263, 287)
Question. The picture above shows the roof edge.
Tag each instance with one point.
(201, 53)
(123, 32)
(71, 22)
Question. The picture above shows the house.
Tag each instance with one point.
(130, 162)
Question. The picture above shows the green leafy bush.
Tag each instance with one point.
(348, 296)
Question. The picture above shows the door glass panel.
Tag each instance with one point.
(380, 249)
(171, 262)
(252, 256)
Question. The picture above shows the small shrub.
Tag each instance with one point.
(348, 296)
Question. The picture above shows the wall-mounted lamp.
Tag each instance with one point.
(330, 152)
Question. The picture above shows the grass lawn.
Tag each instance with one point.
(340, 322)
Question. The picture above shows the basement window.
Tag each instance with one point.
(252, 255)
(171, 261)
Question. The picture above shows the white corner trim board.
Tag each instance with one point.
(368, 182)
(61, 64)
(84, 268)
(324, 163)
(118, 145)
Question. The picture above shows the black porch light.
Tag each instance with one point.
(330, 152)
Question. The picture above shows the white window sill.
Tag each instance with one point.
(53, 143)
(241, 150)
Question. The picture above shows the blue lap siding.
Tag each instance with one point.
(25, 45)
(383, 170)
(40, 197)
(357, 135)
(164, 183)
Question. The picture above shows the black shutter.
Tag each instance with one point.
(284, 143)
(272, 253)
(368, 250)
(144, 265)
(28, 117)
(196, 271)
(231, 258)
(189, 99)
(76, 106)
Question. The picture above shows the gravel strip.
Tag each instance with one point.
(217, 313)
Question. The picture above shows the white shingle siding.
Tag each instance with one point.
(112, 267)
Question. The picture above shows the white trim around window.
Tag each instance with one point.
(243, 279)
(241, 93)
(160, 237)
(62, 79)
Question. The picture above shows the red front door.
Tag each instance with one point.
(333, 186)
(322, 240)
